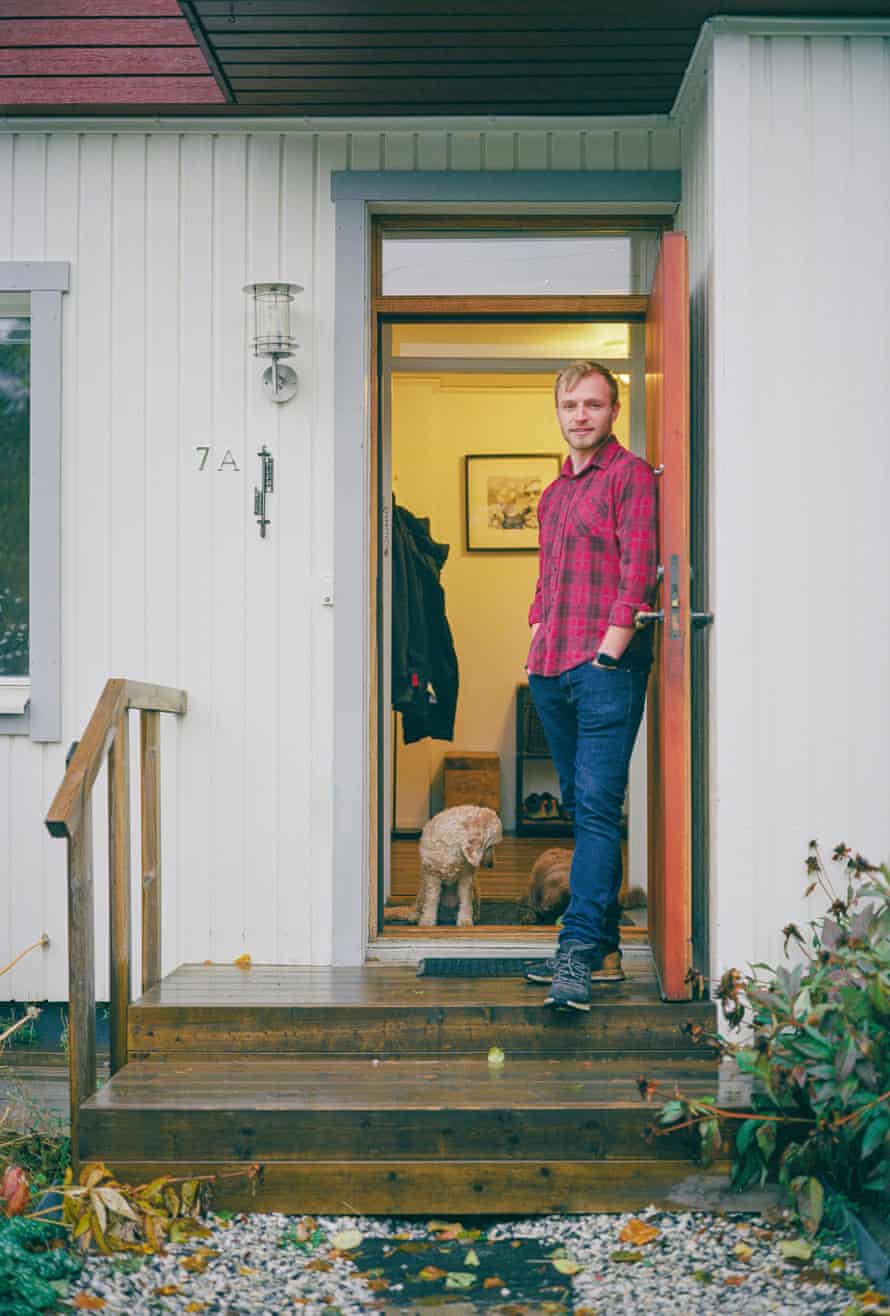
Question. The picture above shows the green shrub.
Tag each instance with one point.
(818, 1048)
(34, 1270)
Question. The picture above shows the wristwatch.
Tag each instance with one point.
(606, 660)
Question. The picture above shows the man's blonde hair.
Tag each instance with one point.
(579, 370)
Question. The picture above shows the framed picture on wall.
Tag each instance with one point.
(502, 492)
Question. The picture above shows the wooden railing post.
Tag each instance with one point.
(81, 971)
(70, 815)
(150, 757)
(119, 923)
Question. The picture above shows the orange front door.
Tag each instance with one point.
(669, 719)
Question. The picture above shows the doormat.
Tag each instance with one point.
(475, 966)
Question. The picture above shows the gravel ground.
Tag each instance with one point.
(692, 1265)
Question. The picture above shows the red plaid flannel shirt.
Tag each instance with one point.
(599, 556)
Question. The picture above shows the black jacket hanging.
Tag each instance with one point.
(424, 663)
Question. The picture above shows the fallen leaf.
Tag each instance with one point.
(198, 1261)
(638, 1232)
(703, 1276)
(492, 1282)
(495, 1057)
(346, 1240)
(471, 1259)
(115, 1201)
(15, 1192)
(242, 961)
(431, 1273)
(743, 1251)
(567, 1267)
(318, 1263)
(460, 1279)
(197, 1306)
(166, 1290)
(733, 1280)
(870, 1298)
(377, 1285)
(433, 1226)
(626, 1256)
(795, 1249)
(87, 1302)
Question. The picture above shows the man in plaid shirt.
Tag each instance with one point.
(588, 667)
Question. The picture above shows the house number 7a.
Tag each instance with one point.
(228, 462)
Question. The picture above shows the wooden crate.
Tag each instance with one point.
(473, 777)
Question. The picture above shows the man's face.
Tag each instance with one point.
(586, 413)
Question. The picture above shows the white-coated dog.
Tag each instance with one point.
(453, 844)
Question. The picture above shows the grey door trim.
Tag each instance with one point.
(354, 193)
(652, 187)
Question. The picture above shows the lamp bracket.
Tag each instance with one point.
(279, 382)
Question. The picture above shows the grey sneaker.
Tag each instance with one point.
(606, 968)
(570, 989)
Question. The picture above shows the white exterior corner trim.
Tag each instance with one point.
(696, 69)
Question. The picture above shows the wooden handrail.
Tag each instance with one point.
(65, 811)
(70, 816)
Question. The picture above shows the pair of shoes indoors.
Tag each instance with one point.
(571, 971)
(543, 805)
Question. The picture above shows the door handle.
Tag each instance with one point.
(700, 619)
(642, 619)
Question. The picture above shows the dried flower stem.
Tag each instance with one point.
(31, 1013)
(885, 1096)
(44, 941)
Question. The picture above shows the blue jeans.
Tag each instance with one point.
(590, 717)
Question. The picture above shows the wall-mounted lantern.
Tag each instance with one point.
(271, 334)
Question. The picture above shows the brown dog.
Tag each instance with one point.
(547, 897)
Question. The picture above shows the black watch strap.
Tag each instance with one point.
(606, 660)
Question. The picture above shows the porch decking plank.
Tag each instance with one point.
(381, 1010)
(394, 1110)
(394, 985)
(440, 1187)
(404, 1085)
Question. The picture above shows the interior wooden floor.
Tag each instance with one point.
(500, 888)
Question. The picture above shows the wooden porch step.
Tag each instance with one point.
(386, 1011)
(459, 1188)
(456, 1109)
(417, 1135)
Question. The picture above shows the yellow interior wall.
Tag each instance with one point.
(437, 419)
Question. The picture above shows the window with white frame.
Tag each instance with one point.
(30, 497)
(15, 455)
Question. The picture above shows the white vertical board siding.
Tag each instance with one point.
(165, 577)
(799, 263)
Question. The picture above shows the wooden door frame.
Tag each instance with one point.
(530, 198)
